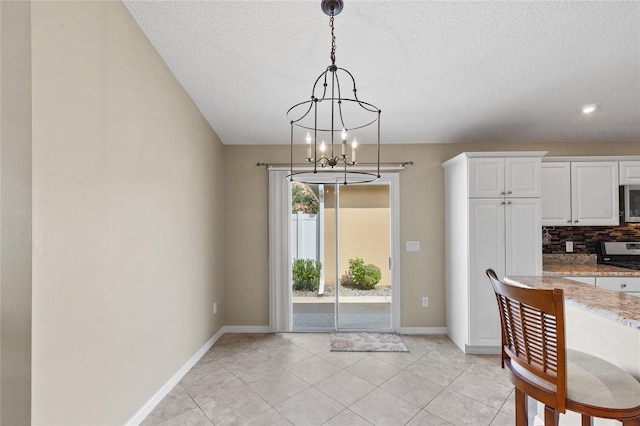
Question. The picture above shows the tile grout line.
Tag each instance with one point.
(310, 345)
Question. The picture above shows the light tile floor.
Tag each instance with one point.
(294, 379)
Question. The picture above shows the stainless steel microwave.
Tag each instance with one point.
(632, 203)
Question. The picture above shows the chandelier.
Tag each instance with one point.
(331, 118)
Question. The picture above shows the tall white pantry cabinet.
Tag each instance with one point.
(492, 220)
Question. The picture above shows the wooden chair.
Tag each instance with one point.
(539, 365)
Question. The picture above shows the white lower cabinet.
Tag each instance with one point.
(629, 285)
(487, 242)
(504, 235)
(624, 284)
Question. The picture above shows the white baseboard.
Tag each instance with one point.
(422, 330)
(166, 388)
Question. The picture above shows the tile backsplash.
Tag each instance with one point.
(586, 238)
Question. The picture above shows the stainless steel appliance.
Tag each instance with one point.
(632, 203)
(621, 254)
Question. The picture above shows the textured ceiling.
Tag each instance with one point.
(440, 71)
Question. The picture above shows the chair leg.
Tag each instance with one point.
(521, 408)
(551, 416)
(587, 420)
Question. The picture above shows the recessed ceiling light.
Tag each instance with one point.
(589, 108)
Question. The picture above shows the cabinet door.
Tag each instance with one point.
(594, 193)
(487, 246)
(556, 193)
(523, 248)
(486, 177)
(630, 173)
(522, 177)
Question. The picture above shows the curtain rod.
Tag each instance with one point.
(287, 165)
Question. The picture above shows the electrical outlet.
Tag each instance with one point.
(215, 307)
(425, 302)
(569, 246)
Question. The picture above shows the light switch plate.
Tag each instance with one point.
(413, 246)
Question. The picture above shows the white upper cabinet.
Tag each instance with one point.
(522, 177)
(594, 193)
(504, 177)
(486, 177)
(556, 194)
(580, 193)
(629, 172)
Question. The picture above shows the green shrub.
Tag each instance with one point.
(306, 274)
(347, 280)
(361, 275)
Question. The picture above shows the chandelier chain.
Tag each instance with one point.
(333, 40)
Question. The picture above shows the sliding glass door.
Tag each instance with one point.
(342, 241)
(364, 253)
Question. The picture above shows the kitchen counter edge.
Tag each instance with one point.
(590, 270)
(620, 307)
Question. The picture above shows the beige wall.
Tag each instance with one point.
(128, 217)
(364, 233)
(421, 219)
(246, 255)
(15, 213)
(364, 229)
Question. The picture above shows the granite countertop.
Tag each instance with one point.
(589, 270)
(586, 265)
(621, 307)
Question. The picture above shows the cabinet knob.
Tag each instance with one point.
(575, 221)
(502, 203)
(502, 193)
(569, 221)
(509, 192)
(623, 285)
(508, 202)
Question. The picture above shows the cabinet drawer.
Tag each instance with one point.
(627, 284)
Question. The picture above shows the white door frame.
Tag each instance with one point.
(280, 276)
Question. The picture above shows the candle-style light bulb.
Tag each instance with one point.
(323, 146)
(308, 139)
(354, 145)
(343, 135)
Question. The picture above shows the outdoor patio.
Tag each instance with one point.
(356, 312)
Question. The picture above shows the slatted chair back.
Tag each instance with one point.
(533, 340)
